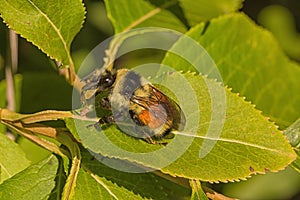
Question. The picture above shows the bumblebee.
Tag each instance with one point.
(134, 100)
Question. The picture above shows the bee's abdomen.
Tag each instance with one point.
(155, 117)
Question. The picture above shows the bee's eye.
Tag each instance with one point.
(107, 80)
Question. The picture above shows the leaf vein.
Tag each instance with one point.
(149, 14)
(230, 141)
(104, 186)
(56, 29)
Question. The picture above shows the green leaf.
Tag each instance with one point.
(99, 180)
(126, 15)
(293, 135)
(12, 158)
(34, 153)
(71, 126)
(87, 188)
(35, 182)
(264, 75)
(248, 144)
(50, 25)
(203, 10)
(281, 22)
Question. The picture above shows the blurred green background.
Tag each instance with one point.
(40, 88)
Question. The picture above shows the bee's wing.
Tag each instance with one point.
(173, 109)
(148, 98)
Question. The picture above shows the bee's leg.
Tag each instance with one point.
(103, 120)
(151, 141)
(136, 119)
(144, 134)
(111, 118)
(105, 103)
(106, 120)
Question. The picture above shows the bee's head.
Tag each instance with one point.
(123, 80)
(107, 79)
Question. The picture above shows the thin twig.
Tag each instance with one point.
(13, 42)
(10, 94)
(10, 69)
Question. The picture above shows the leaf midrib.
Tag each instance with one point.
(234, 141)
(149, 14)
(104, 186)
(3, 169)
